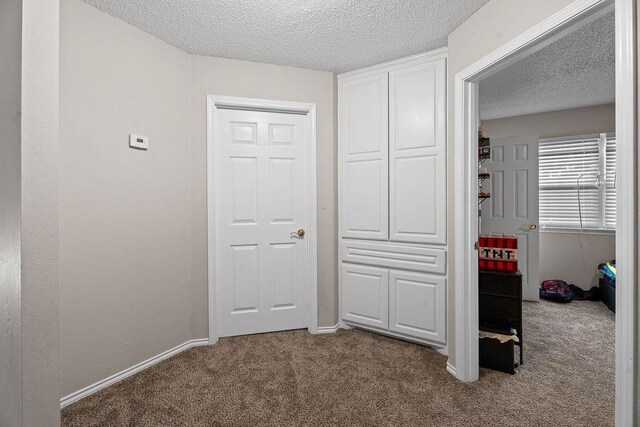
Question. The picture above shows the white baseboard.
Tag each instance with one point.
(442, 350)
(451, 369)
(74, 397)
(343, 325)
(328, 329)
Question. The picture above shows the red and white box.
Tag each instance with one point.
(498, 253)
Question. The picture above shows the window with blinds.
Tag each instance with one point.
(610, 191)
(577, 177)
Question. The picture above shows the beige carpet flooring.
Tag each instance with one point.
(355, 378)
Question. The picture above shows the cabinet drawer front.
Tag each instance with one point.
(499, 307)
(417, 305)
(365, 295)
(500, 285)
(405, 257)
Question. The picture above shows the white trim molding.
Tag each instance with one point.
(396, 63)
(627, 213)
(451, 369)
(307, 109)
(578, 13)
(93, 388)
(345, 326)
(558, 230)
(328, 329)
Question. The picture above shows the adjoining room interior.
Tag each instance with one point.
(547, 175)
(318, 213)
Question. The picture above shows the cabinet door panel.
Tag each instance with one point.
(364, 161)
(363, 213)
(365, 293)
(417, 154)
(417, 305)
(416, 213)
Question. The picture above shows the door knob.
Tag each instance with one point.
(532, 226)
(299, 233)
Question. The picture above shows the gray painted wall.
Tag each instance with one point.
(40, 138)
(125, 273)
(133, 224)
(10, 291)
(561, 254)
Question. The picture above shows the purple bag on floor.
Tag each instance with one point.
(556, 291)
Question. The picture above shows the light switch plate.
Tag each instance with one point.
(139, 142)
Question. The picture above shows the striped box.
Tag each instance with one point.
(498, 253)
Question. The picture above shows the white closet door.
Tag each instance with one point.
(262, 193)
(417, 153)
(365, 295)
(417, 305)
(364, 157)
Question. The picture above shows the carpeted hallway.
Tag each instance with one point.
(357, 378)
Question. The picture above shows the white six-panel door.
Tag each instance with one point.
(513, 206)
(261, 160)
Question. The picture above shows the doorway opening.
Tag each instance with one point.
(467, 83)
(547, 167)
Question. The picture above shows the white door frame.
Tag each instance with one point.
(466, 200)
(213, 104)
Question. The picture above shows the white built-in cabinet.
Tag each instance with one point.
(393, 198)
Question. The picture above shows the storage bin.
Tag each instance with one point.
(496, 355)
(608, 292)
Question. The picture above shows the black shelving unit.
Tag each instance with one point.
(484, 149)
(484, 153)
(500, 304)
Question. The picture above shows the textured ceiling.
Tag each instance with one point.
(333, 35)
(576, 71)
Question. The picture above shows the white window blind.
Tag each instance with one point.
(567, 164)
(610, 192)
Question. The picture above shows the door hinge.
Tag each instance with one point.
(476, 245)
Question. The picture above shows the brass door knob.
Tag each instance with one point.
(532, 226)
(299, 233)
